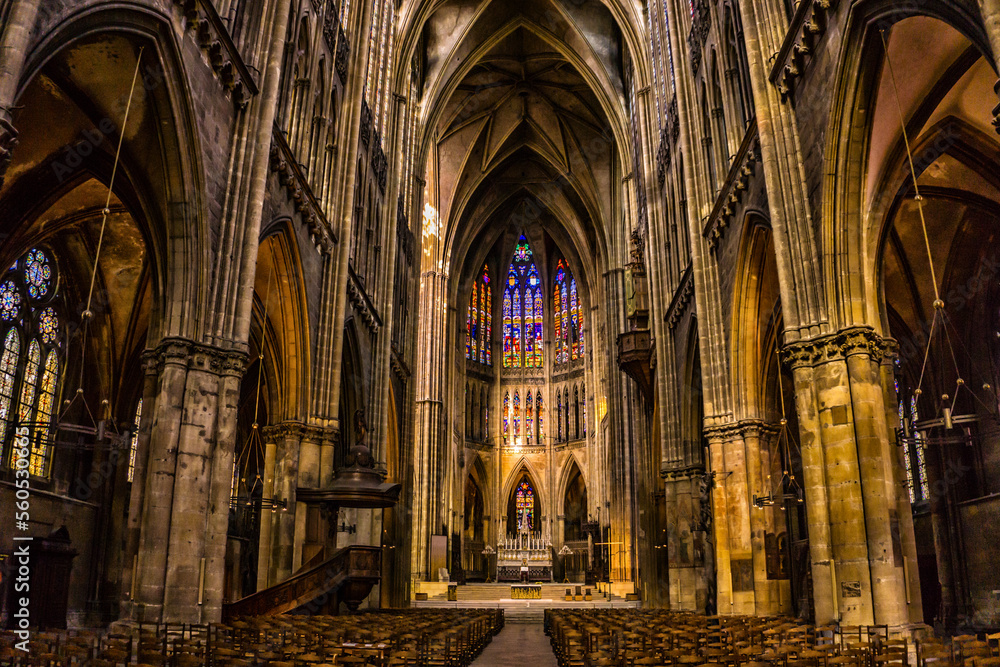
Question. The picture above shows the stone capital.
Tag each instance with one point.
(192, 355)
(756, 428)
(682, 474)
(845, 343)
(299, 431)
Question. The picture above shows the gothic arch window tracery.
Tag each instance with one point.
(522, 311)
(525, 504)
(29, 361)
(479, 321)
(567, 316)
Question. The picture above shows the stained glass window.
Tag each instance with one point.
(538, 418)
(525, 503)
(48, 326)
(468, 326)
(529, 417)
(29, 373)
(37, 274)
(486, 298)
(506, 416)
(29, 382)
(516, 357)
(517, 418)
(39, 464)
(135, 442)
(523, 338)
(508, 331)
(574, 310)
(8, 368)
(568, 316)
(559, 420)
(10, 301)
(583, 408)
(478, 323)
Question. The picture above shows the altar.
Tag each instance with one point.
(524, 557)
(525, 592)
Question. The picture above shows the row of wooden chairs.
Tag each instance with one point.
(659, 638)
(397, 638)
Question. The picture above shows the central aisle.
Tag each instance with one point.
(518, 644)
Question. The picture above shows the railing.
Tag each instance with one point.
(356, 567)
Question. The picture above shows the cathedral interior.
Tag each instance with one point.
(692, 302)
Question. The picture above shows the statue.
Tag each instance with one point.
(360, 455)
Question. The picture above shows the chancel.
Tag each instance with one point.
(666, 327)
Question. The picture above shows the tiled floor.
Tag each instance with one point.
(518, 644)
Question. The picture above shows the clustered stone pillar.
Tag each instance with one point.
(685, 540)
(187, 482)
(859, 562)
(741, 529)
(21, 16)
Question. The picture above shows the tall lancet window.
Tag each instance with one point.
(506, 416)
(538, 419)
(567, 315)
(522, 311)
(29, 359)
(529, 417)
(479, 321)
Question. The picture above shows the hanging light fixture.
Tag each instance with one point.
(929, 431)
(790, 490)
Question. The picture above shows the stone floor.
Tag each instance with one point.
(518, 644)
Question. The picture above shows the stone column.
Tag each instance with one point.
(182, 541)
(720, 518)
(14, 42)
(684, 541)
(267, 519)
(283, 559)
(766, 597)
(848, 468)
(140, 480)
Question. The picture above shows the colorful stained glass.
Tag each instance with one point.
(48, 326)
(559, 420)
(508, 330)
(40, 450)
(487, 347)
(484, 340)
(529, 329)
(564, 316)
(29, 382)
(517, 418)
(468, 333)
(574, 308)
(525, 504)
(524, 289)
(910, 486)
(529, 418)
(10, 301)
(522, 253)
(557, 311)
(517, 312)
(506, 416)
(539, 310)
(8, 369)
(473, 324)
(135, 442)
(37, 274)
(922, 470)
(538, 418)
(583, 408)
